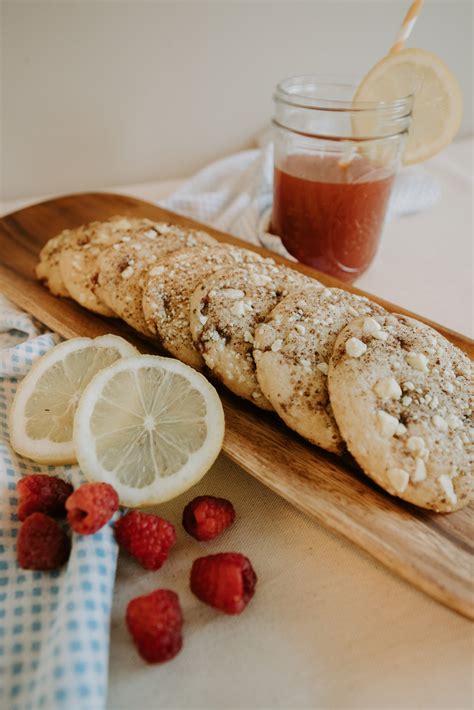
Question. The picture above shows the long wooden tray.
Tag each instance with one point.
(433, 552)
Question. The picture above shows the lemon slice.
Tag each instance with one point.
(437, 104)
(150, 426)
(42, 412)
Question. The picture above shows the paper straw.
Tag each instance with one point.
(407, 25)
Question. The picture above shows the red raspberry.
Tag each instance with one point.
(42, 494)
(155, 622)
(206, 517)
(147, 537)
(91, 506)
(42, 544)
(225, 581)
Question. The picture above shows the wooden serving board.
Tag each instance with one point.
(433, 552)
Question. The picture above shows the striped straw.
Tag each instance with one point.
(407, 25)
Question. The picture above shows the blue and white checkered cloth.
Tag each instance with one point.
(54, 626)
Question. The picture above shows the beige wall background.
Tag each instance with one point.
(97, 93)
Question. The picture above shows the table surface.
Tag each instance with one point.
(328, 627)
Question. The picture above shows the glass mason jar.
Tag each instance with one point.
(334, 167)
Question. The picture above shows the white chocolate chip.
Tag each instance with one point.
(352, 311)
(439, 423)
(448, 387)
(248, 337)
(157, 270)
(447, 486)
(261, 279)
(388, 388)
(416, 445)
(418, 361)
(126, 273)
(386, 423)
(380, 335)
(399, 478)
(214, 335)
(420, 470)
(323, 367)
(150, 234)
(240, 308)
(409, 386)
(406, 401)
(355, 347)
(202, 319)
(453, 421)
(434, 404)
(233, 293)
(277, 345)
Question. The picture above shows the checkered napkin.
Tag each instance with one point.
(54, 626)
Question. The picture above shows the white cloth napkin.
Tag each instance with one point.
(235, 195)
(54, 626)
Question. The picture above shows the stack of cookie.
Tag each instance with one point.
(337, 368)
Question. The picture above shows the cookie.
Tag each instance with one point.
(402, 397)
(78, 258)
(168, 291)
(292, 351)
(47, 269)
(122, 269)
(225, 310)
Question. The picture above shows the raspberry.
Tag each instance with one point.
(155, 622)
(91, 506)
(147, 537)
(206, 517)
(42, 544)
(225, 581)
(42, 494)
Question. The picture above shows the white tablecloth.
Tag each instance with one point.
(328, 627)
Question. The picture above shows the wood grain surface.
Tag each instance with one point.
(432, 551)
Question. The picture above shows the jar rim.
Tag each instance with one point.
(290, 91)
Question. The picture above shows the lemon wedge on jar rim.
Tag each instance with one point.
(150, 426)
(42, 412)
(437, 99)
